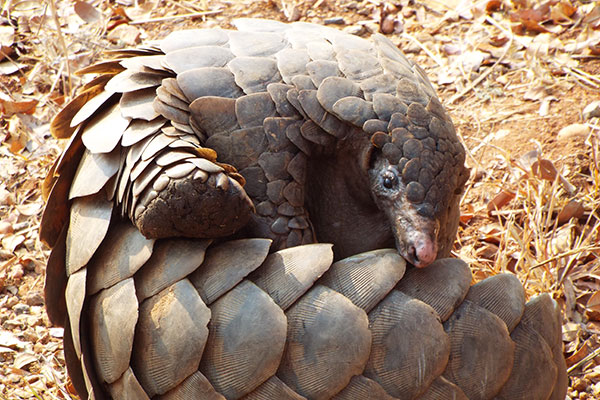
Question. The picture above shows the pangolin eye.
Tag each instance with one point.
(389, 180)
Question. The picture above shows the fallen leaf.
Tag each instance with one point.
(579, 355)
(498, 41)
(10, 67)
(11, 242)
(7, 35)
(573, 209)
(592, 110)
(29, 209)
(9, 107)
(493, 5)
(87, 12)
(488, 251)
(500, 200)
(593, 302)
(23, 360)
(491, 233)
(142, 10)
(544, 169)
(467, 213)
(8, 339)
(126, 34)
(6, 227)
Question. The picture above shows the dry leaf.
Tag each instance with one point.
(7, 35)
(579, 355)
(488, 251)
(573, 209)
(544, 169)
(559, 16)
(562, 239)
(592, 110)
(498, 41)
(87, 12)
(126, 34)
(530, 19)
(29, 209)
(11, 242)
(9, 107)
(493, 5)
(142, 11)
(467, 213)
(10, 67)
(500, 200)
(23, 360)
(593, 307)
(6, 227)
(472, 60)
(491, 233)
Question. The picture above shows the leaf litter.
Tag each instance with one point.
(520, 79)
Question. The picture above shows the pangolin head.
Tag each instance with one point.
(416, 176)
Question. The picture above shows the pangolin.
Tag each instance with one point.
(232, 152)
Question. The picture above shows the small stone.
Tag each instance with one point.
(34, 299)
(21, 308)
(592, 110)
(57, 332)
(574, 131)
(357, 30)
(334, 21)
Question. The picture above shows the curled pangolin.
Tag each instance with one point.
(222, 146)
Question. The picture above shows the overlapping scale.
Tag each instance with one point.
(361, 387)
(501, 294)
(365, 278)
(168, 349)
(88, 224)
(328, 342)
(273, 388)
(94, 171)
(127, 387)
(113, 317)
(226, 265)
(171, 260)
(237, 358)
(481, 351)
(410, 348)
(287, 274)
(195, 386)
(443, 285)
(122, 253)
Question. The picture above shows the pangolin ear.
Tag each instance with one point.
(379, 139)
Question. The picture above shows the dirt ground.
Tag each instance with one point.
(521, 80)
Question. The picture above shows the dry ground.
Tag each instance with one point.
(519, 78)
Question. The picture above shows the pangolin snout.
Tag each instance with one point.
(422, 251)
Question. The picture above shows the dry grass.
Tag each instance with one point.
(510, 91)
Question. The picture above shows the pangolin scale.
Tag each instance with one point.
(185, 211)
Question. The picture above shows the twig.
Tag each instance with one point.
(581, 75)
(565, 254)
(435, 58)
(172, 17)
(486, 73)
(61, 40)
(589, 357)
